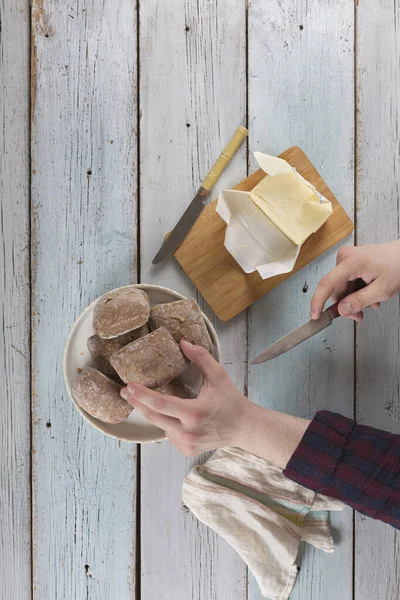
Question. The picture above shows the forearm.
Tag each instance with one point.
(332, 455)
(357, 464)
(270, 434)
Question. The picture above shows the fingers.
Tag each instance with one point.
(356, 302)
(340, 289)
(159, 403)
(336, 279)
(162, 421)
(357, 317)
(198, 355)
(339, 292)
(183, 440)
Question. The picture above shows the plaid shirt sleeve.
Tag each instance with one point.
(357, 464)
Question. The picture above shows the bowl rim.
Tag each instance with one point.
(143, 286)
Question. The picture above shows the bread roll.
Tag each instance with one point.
(121, 311)
(100, 397)
(184, 320)
(153, 360)
(101, 349)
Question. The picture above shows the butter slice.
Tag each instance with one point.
(292, 204)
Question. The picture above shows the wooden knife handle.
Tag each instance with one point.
(333, 311)
(224, 158)
(354, 286)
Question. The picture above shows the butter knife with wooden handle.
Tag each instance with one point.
(198, 203)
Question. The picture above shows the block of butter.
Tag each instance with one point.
(267, 225)
(290, 201)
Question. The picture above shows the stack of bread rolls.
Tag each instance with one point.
(136, 342)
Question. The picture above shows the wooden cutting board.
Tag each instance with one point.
(215, 273)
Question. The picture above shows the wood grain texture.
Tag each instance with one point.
(224, 285)
(84, 215)
(15, 443)
(301, 92)
(192, 56)
(377, 546)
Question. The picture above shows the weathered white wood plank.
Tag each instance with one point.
(301, 90)
(15, 497)
(192, 99)
(84, 215)
(377, 546)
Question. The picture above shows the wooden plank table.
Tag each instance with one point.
(84, 209)
(111, 114)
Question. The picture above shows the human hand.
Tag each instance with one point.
(216, 418)
(378, 265)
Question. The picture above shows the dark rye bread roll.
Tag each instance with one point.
(101, 350)
(100, 397)
(178, 388)
(153, 360)
(120, 311)
(184, 320)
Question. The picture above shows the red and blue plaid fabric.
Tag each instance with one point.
(357, 464)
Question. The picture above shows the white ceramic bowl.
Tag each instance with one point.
(77, 357)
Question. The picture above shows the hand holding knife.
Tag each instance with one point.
(198, 203)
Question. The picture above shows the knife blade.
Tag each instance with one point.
(298, 335)
(198, 203)
(183, 226)
(304, 332)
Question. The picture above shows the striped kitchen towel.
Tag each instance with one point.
(260, 513)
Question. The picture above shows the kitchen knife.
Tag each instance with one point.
(306, 331)
(198, 203)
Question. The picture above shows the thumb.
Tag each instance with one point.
(357, 301)
(198, 355)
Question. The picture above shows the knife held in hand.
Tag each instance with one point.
(198, 203)
(303, 333)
